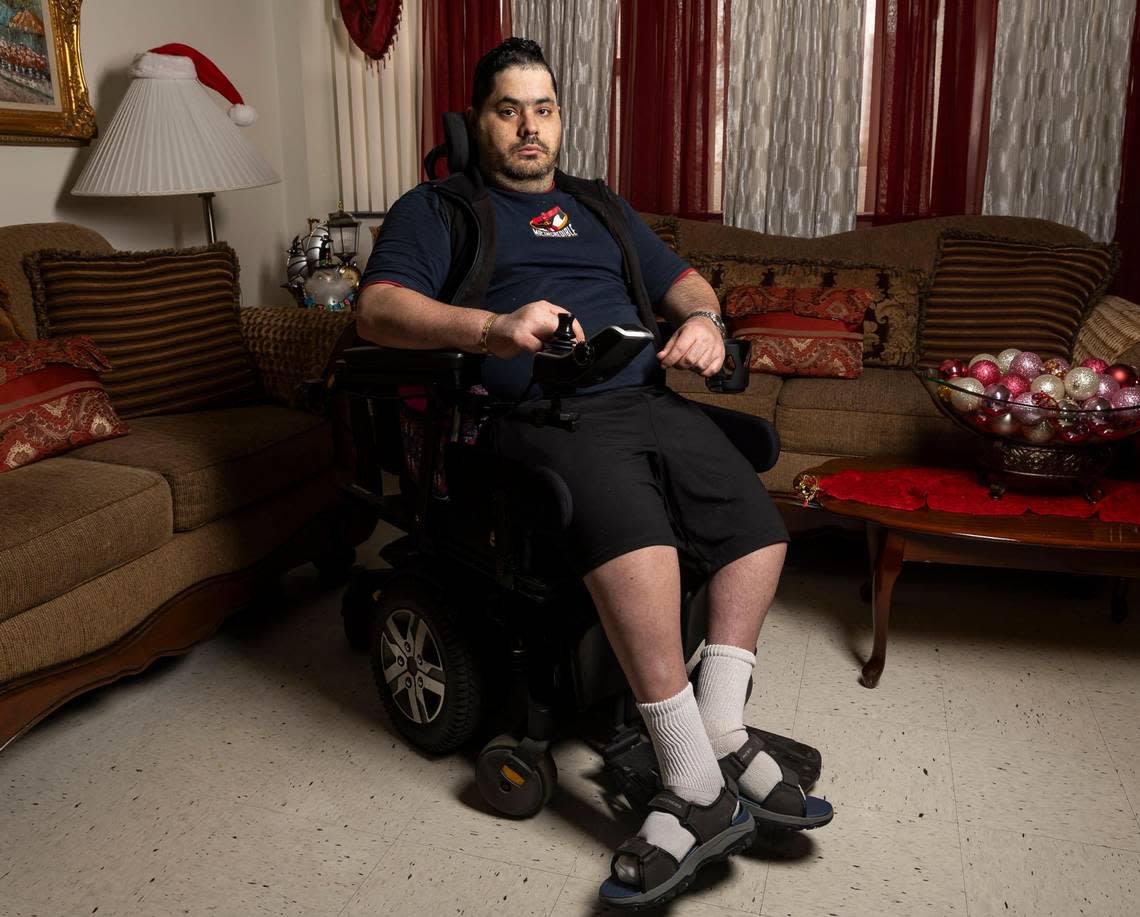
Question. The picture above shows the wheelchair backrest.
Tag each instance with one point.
(458, 147)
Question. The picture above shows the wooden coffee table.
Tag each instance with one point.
(1027, 541)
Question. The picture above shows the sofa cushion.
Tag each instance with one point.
(800, 331)
(218, 461)
(883, 412)
(167, 321)
(51, 400)
(66, 521)
(988, 294)
(890, 323)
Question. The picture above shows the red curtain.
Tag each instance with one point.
(1127, 282)
(906, 108)
(962, 139)
(921, 171)
(456, 33)
(664, 118)
(371, 25)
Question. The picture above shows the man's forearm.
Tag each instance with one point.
(397, 317)
(690, 294)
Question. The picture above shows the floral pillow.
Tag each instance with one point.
(51, 399)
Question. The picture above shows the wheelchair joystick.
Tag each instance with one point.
(563, 340)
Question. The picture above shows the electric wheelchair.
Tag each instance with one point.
(479, 617)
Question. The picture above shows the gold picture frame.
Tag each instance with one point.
(43, 96)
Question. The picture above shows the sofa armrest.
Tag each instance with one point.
(1111, 332)
(290, 345)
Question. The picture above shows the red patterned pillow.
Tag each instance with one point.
(51, 399)
(800, 331)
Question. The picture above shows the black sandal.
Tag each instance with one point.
(787, 806)
(722, 828)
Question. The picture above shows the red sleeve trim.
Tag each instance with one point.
(387, 283)
(685, 273)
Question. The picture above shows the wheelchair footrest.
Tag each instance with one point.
(630, 758)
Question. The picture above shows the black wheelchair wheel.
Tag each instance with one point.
(424, 669)
(511, 788)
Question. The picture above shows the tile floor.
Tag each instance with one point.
(996, 770)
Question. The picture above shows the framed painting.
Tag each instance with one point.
(43, 96)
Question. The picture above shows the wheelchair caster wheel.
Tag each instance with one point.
(511, 785)
(423, 667)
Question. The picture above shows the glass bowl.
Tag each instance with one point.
(1034, 419)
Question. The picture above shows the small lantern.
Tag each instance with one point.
(342, 233)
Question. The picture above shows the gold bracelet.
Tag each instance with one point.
(487, 331)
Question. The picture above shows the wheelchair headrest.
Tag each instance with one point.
(458, 147)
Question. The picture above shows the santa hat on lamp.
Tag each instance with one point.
(181, 62)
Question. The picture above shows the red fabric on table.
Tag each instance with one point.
(957, 491)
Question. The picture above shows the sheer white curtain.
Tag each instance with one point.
(1057, 116)
(577, 37)
(794, 92)
(378, 115)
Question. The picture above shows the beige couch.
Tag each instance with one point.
(885, 411)
(133, 548)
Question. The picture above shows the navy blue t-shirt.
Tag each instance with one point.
(548, 246)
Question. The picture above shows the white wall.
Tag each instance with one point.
(271, 51)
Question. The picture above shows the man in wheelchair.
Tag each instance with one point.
(486, 262)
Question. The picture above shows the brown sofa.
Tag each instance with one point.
(885, 411)
(133, 548)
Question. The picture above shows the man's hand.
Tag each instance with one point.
(527, 329)
(696, 345)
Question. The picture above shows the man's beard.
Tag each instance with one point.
(528, 170)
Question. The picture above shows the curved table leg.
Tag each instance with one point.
(888, 562)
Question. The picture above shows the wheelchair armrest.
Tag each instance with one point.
(755, 437)
(363, 367)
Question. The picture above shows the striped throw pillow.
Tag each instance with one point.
(166, 320)
(989, 294)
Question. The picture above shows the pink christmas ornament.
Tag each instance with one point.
(1029, 407)
(997, 398)
(1026, 364)
(1015, 383)
(1106, 386)
(1095, 364)
(1006, 357)
(952, 369)
(985, 371)
(1126, 403)
(1124, 374)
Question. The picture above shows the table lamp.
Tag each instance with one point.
(170, 137)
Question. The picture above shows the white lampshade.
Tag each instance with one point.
(170, 137)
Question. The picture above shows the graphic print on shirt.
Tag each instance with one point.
(553, 223)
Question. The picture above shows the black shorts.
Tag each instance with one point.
(647, 467)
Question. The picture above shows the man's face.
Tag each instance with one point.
(519, 129)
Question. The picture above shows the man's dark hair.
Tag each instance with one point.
(514, 52)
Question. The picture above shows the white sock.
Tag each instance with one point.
(688, 768)
(722, 688)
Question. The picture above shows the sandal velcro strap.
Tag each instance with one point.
(735, 764)
(787, 796)
(654, 865)
(703, 822)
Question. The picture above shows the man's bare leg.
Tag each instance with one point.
(638, 597)
(739, 596)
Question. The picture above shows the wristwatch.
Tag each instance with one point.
(712, 317)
